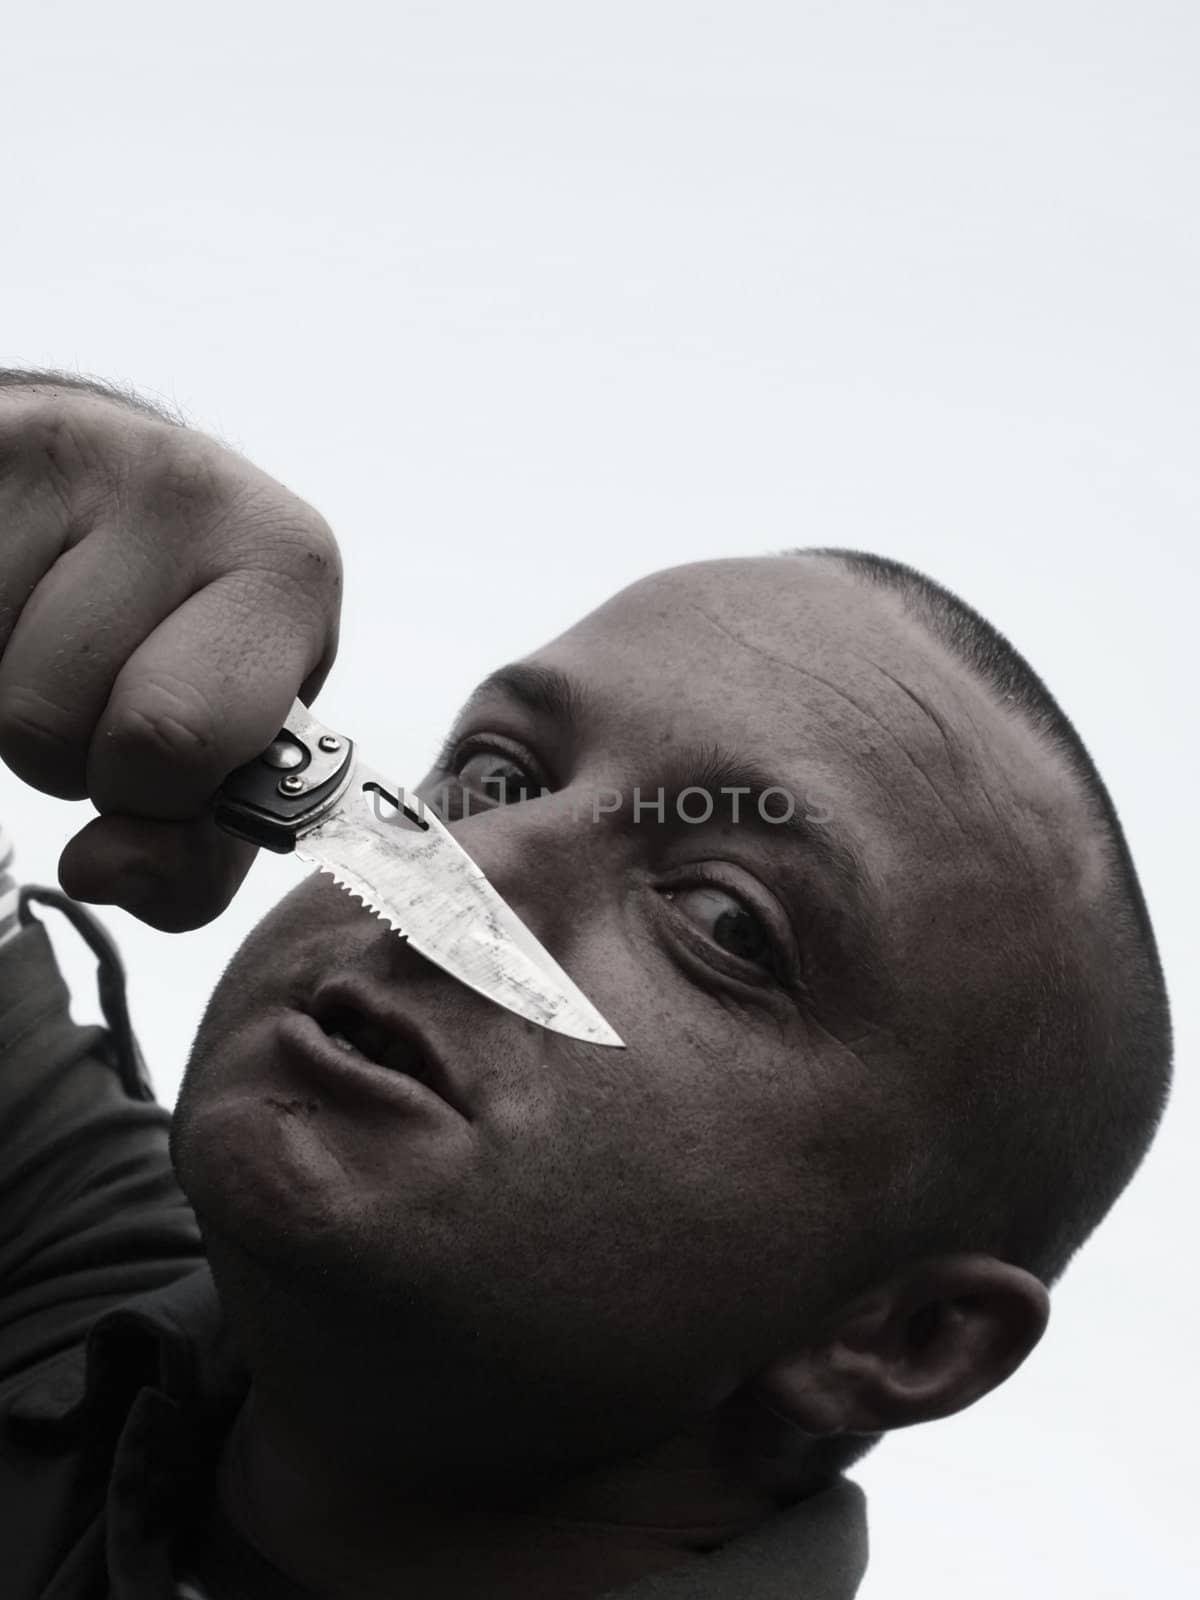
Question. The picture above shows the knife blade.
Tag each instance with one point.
(310, 793)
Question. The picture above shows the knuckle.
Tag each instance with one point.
(38, 739)
(298, 532)
(182, 478)
(44, 442)
(320, 546)
(65, 444)
(294, 543)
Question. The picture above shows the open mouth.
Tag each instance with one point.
(386, 1041)
(358, 1034)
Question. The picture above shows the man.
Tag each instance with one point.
(589, 1322)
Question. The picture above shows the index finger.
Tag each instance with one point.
(207, 690)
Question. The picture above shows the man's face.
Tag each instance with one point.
(610, 1242)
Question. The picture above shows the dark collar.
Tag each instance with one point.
(172, 1340)
(159, 1384)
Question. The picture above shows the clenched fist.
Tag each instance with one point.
(162, 603)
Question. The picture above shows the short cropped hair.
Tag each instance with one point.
(1057, 1100)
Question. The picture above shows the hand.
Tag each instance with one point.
(162, 603)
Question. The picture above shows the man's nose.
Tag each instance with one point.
(544, 859)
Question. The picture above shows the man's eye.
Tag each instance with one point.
(727, 922)
(495, 776)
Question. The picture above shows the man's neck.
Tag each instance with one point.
(301, 1506)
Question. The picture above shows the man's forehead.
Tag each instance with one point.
(783, 650)
(830, 681)
(765, 622)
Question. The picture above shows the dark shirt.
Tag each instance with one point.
(118, 1382)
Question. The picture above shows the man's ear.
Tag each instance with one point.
(932, 1340)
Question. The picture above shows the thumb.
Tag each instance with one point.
(173, 875)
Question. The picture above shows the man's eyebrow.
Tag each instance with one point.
(709, 768)
(766, 804)
(538, 688)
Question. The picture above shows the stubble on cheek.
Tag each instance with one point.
(255, 1163)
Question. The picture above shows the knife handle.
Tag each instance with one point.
(286, 790)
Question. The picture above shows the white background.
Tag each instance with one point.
(531, 299)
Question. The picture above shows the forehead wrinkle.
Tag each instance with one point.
(841, 693)
(927, 710)
(993, 759)
(977, 756)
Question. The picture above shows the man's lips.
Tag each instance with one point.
(369, 1019)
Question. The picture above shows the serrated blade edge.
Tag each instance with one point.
(426, 887)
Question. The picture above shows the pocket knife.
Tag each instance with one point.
(309, 793)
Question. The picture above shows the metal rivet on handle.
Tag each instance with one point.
(329, 743)
(292, 784)
(283, 753)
